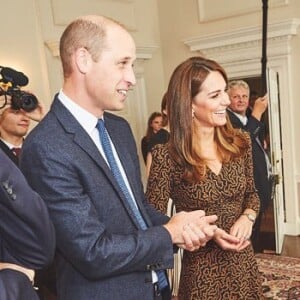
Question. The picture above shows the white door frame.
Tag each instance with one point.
(276, 156)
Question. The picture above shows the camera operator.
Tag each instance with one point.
(17, 108)
(14, 126)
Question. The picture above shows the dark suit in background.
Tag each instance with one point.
(101, 252)
(9, 152)
(27, 236)
(260, 168)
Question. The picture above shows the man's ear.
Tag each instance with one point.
(82, 60)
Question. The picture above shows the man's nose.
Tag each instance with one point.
(130, 77)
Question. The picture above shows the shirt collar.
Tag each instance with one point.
(9, 145)
(87, 120)
(243, 119)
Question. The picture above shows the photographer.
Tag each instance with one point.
(17, 109)
(14, 125)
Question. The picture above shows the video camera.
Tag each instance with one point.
(13, 80)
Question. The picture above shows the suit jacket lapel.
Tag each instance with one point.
(128, 165)
(80, 137)
(83, 140)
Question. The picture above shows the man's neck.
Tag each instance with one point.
(12, 140)
(243, 118)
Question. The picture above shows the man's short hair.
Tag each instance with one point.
(238, 83)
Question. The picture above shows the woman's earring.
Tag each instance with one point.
(193, 114)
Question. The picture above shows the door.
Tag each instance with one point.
(276, 156)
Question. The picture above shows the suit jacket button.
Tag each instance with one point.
(5, 184)
(13, 196)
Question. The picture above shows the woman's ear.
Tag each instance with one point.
(82, 60)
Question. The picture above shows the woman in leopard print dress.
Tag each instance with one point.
(208, 165)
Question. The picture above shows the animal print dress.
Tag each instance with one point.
(211, 273)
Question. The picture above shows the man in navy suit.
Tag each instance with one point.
(241, 116)
(27, 238)
(102, 252)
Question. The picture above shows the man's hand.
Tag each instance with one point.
(37, 114)
(260, 106)
(191, 230)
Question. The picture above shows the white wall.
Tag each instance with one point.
(22, 45)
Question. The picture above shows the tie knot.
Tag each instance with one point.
(16, 151)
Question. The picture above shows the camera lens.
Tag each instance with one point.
(23, 100)
(29, 102)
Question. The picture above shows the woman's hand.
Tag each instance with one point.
(242, 229)
(225, 240)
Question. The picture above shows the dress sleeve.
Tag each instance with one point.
(159, 181)
(251, 196)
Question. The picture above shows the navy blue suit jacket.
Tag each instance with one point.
(101, 252)
(27, 236)
(9, 153)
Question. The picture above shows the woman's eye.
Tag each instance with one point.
(215, 95)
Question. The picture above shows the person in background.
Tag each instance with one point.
(27, 237)
(153, 126)
(239, 91)
(111, 244)
(162, 135)
(14, 126)
(208, 165)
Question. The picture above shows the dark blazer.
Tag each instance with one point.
(27, 235)
(101, 252)
(254, 127)
(9, 153)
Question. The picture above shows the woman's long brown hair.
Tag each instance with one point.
(184, 85)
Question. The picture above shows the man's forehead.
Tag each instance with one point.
(118, 38)
(240, 89)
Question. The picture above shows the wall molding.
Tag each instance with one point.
(210, 10)
(245, 43)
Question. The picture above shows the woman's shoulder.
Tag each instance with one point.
(160, 149)
(161, 153)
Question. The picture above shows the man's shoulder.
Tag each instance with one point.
(111, 117)
(45, 127)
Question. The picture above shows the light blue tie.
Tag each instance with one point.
(105, 141)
